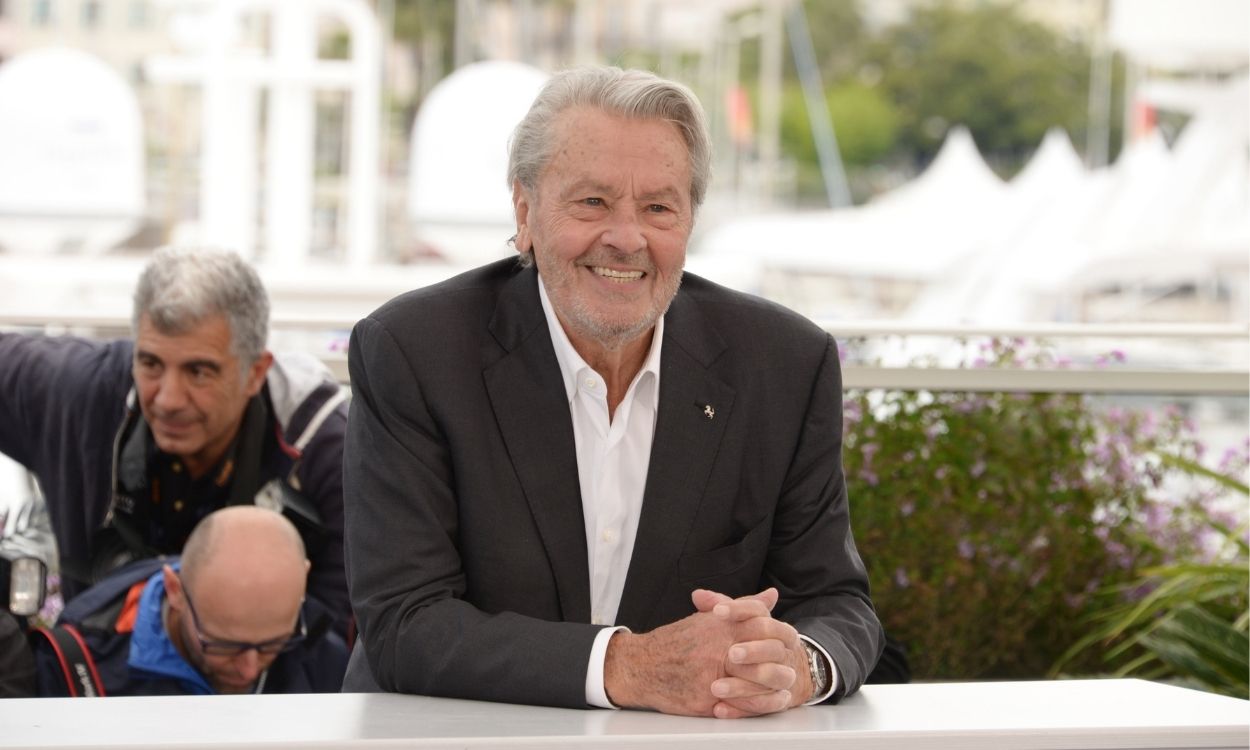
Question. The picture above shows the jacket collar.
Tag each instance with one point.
(151, 650)
(526, 388)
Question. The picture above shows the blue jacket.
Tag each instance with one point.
(143, 661)
(64, 400)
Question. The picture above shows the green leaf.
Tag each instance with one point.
(1193, 467)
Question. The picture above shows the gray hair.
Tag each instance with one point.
(628, 93)
(182, 286)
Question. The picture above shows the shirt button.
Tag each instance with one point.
(609, 536)
(590, 383)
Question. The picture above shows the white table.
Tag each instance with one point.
(1061, 715)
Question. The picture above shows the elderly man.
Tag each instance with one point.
(226, 619)
(585, 479)
(134, 442)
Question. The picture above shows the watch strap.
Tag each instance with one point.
(818, 668)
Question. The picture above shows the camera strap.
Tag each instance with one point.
(82, 679)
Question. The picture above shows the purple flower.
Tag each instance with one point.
(966, 550)
(907, 507)
(1230, 457)
(900, 578)
(1037, 577)
(977, 469)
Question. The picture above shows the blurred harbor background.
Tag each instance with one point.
(974, 196)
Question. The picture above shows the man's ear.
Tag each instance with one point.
(257, 372)
(173, 586)
(521, 210)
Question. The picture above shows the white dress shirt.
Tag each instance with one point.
(613, 455)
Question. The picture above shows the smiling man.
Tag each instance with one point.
(588, 479)
(133, 442)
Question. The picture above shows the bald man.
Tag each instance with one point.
(227, 618)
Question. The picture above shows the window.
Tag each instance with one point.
(91, 14)
(41, 12)
(139, 13)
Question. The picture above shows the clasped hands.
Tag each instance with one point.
(730, 659)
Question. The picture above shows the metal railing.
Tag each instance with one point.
(1077, 378)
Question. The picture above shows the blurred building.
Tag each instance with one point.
(120, 32)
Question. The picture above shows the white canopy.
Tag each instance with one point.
(71, 154)
(915, 231)
(1182, 34)
(458, 193)
(982, 252)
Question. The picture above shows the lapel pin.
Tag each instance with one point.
(708, 411)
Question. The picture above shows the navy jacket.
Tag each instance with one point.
(315, 666)
(63, 401)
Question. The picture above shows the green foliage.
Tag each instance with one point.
(428, 22)
(985, 66)
(988, 521)
(864, 121)
(838, 38)
(1187, 623)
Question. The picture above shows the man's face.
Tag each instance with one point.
(191, 390)
(223, 618)
(608, 224)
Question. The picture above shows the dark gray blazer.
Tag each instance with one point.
(466, 549)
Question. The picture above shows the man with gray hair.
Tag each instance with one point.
(588, 479)
(133, 442)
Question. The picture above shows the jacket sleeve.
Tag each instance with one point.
(812, 558)
(321, 481)
(405, 571)
(51, 385)
(17, 662)
(62, 400)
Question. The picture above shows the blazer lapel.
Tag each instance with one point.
(695, 406)
(526, 390)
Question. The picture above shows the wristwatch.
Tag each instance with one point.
(819, 669)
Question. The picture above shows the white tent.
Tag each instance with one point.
(458, 196)
(1158, 221)
(1038, 202)
(1191, 234)
(71, 154)
(914, 232)
(1181, 34)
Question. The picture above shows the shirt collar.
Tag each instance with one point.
(571, 363)
(151, 650)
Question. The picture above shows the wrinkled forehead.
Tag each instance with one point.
(592, 144)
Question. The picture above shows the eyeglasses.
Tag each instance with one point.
(235, 648)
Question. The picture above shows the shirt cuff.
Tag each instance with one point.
(833, 672)
(596, 691)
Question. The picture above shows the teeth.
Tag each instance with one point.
(614, 274)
